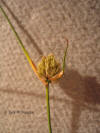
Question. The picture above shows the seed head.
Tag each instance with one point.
(48, 66)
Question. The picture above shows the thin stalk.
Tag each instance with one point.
(21, 44)
(64, 58)
(17, 36)
(48, 108)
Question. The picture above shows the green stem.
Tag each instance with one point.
(16, 35)
(48, 108)
(64, 58)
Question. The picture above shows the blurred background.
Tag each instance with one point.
(74, 99)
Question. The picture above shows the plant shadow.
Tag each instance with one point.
(84, 92)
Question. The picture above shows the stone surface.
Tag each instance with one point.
(75, 99)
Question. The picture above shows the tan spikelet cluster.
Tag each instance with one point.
(48, 67)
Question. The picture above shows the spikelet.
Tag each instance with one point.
(48, 67)
(41, 67)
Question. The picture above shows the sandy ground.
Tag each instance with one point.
(75, 99)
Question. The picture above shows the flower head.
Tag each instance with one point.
(48, 67)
